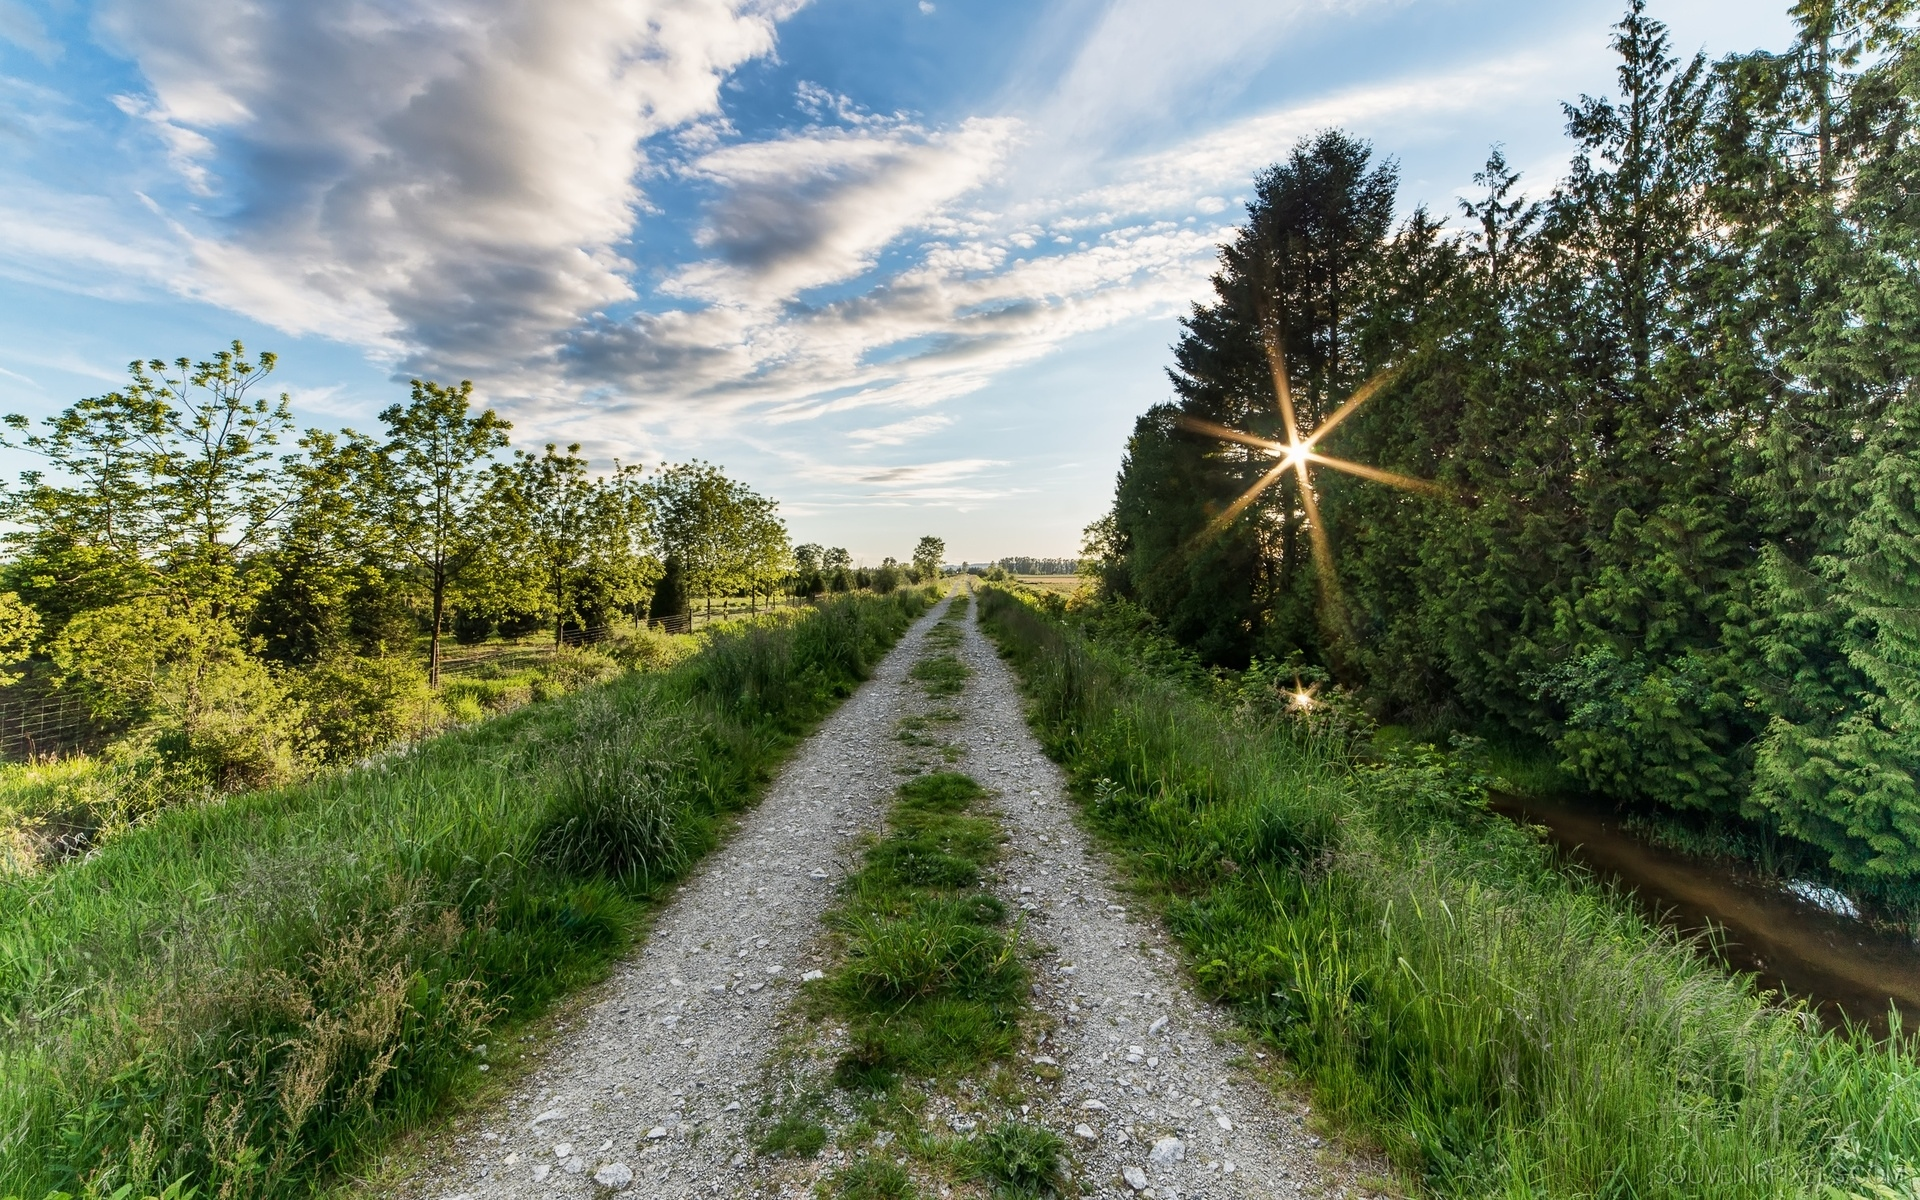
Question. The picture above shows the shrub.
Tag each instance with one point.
(470, 628)
(355, 705)
(229, 717)
(650, 650)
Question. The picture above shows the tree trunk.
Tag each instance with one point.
(439, 610)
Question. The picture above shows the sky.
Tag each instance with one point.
(908, 266)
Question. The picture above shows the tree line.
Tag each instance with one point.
(1668, 414)
(200, 572)
(1039, 566)
(831, 569)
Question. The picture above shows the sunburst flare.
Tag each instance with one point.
(1298, 454)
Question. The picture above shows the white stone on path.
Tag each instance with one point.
(614, 1175)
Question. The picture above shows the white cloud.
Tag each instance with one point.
(900, 432)
(185, 148)
(803, 211)
(444, 181)
(83, 244)
(984, 293)
(453, 183)
(1147, 60)
(24, 28)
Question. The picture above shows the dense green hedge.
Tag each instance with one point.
(240, 997)
(1499, 1028)
(1668, 420)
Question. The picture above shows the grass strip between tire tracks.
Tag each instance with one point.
(245, 998)
(931, 985)
(1499, 1027)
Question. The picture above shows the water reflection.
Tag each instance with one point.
(1799, 941)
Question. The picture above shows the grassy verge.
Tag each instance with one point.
(245, 997)
(1497, 1027)
(349, 709)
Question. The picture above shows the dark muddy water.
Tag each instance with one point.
(1841, 965)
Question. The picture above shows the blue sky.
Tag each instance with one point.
(911, 267)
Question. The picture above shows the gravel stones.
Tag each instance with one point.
(1144, 1066)
(657, 1065)
(664, 1070)
(614, 1175)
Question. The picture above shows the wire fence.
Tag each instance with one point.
(40, 721)
(37, 721)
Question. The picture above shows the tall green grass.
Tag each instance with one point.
(1498, 1027)
(248, 994)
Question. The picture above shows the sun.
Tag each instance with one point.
(1297, 454)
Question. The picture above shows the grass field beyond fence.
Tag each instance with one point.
(1498, 1028)
(243, 997)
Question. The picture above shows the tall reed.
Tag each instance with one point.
(1499, 1027)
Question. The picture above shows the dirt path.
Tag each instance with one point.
(656, 1085)
(650, 1088)
(1155, 1087)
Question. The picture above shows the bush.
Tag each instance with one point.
(572, 668)
(356, 705)
(228, 717)
(470, 628)
(650, 650)
(515, 625)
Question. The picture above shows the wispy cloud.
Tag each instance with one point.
(989, 280)
(900, 432)
(24, 28)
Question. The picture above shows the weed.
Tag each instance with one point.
(794, 1135)
(941, 675)
(622, 807)
(931, 981)
(874, 1179)
(1020, 1161)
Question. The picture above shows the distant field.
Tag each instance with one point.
(1066, 585)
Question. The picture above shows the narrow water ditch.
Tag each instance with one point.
(1846, 968)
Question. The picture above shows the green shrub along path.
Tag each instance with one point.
(1499, 1028)
(248, 998)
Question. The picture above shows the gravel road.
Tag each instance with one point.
(652, 1085)
(1155, 1087)
(653, 1088)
